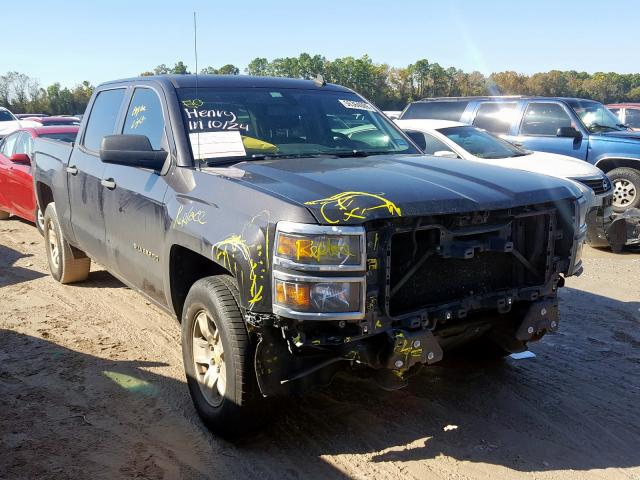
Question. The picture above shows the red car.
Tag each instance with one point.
(16, 184)
(628, 113)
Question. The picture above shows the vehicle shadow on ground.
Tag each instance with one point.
(66, 414)
(100, 279)
(574, 406)
(11, 274)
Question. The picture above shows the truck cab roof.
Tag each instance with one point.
(229, 81)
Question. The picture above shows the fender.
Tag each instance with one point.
(622, 160)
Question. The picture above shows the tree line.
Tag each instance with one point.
(386, 86)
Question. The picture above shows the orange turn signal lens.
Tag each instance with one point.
(293, 295)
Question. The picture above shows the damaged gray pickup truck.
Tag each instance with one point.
(294, 231)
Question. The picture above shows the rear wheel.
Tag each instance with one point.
(65, 267)
(626, 188)
(39, 216)
(4, 215)
(218, 357)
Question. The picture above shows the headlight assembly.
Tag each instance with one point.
(319, 248)
(307, 283)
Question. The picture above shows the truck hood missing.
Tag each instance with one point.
(354, 190)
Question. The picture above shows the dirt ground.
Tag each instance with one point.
(92, 386)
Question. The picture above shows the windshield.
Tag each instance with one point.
(6, 116)
(481, 143)
(258, 123)
(595, 116)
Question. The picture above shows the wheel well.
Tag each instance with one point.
(45, 195)
(185, 268)
(609, 164)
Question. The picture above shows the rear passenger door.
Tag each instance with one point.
(540, 122)
(134, 201)
(85, 172)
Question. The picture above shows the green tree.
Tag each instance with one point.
(258, 67)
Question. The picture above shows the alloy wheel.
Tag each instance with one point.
(208, 359)
(624, 193)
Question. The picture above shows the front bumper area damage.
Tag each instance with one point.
(433, 284)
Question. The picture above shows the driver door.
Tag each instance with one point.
(538, 128)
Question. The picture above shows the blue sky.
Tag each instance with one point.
(76, 40)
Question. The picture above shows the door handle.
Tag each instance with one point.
(109, 183)
(73, 170)
(518, 144)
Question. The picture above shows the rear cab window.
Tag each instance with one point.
(495, 117)
(103, 117)
(445, 110)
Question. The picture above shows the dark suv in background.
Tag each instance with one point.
(580, 128)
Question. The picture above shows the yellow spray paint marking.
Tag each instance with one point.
(132, 384)
(227, 248)
(195, 103)
(350, 205)
(190, 216)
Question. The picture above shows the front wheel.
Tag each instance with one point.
(218, 357)
(4, 215)
(626, 188)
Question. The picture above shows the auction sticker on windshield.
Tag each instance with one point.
(217, 144)
(357, 105)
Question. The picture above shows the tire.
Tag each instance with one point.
(39, 216)
(626, 188)
(218, 357)
(4, 215)
(65, 267)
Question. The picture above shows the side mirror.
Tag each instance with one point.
(445, 154)
(568, 132)
(131, 150)
(21, 158)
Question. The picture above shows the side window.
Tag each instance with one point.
(496, 117)
(103, 117)
(544, 119)
(433, 145)
(23, 145)
(418, 138)
(632, 118)
(144, 117)
(8, 144)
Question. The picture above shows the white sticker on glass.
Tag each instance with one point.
(357, 105)
(217, 144)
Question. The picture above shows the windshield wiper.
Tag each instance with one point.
(215, 162)
(597, 125)
(361, 153)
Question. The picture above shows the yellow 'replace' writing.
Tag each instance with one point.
(325, 248)
(190, 216)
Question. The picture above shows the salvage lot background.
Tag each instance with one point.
(92, 386)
